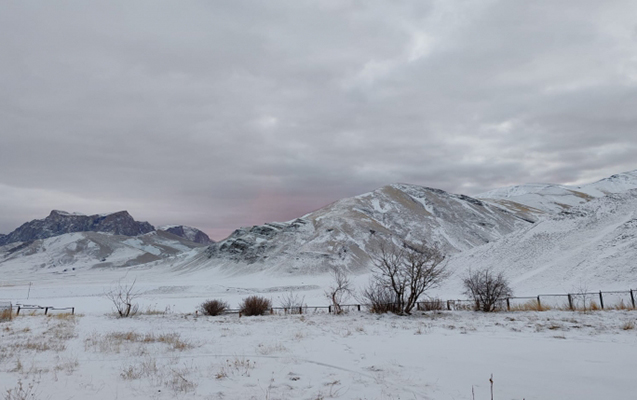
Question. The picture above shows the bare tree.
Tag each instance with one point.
(122, 297)
(487, 288)
(340, 289)
(406, 271)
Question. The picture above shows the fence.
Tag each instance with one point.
(45, 308)
(568, 301)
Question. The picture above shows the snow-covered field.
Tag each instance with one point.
(175, 354)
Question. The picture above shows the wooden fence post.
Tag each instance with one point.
(72, 310)
(46, 310)
(329, 309)
(570, 302)
(358, 306)
(632, 297)
(539, 304)
(601, 299)
(18, 310)
(301, 310)
(448, 305)
(508, 305)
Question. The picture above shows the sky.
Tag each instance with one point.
(226, 114)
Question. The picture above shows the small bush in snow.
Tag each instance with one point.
(255, 305)
(293, 303)
(380, 299)
(487, 288)
(213, 307)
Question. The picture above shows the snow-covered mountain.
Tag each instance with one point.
(81, 250)
(61, 222)
(593, 245)
(187, 232)
(537, 199)
(343, 233)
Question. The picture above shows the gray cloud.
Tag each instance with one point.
(223, 114)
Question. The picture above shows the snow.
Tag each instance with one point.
(434, 355)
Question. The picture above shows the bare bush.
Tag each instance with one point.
(407, 271)
(380, 298)
(487, 288)
(293, 303)
(340, 290)
(432, 304)
(213, 307)
(255, 305)
(122, 297)
(21, 392)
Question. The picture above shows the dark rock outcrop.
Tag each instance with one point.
(60, 222)
(187, 232)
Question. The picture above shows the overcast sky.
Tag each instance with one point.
(220, 114)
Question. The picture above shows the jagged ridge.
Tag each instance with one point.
(60, 222)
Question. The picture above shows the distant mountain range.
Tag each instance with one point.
(65, 240)
(538, 233)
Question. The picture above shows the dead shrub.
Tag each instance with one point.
(213, 307)
(123, 296)
(21, 392)
(5, 315)
(293, 303)
(255, 305)
(380, 299)
(486, 288)
(431, 305)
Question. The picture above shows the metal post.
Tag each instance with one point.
(72, 310)
(448, 305)
(18, 311)
(508, 305)
(46, 310)
(358, 306)
(632, 297)
(301, 310)
(329, 309)
(570, 301)
(601, 299)
(539, 304)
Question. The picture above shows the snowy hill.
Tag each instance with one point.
(343, 233)
(536, 199)
(81, 250)
(593, 245)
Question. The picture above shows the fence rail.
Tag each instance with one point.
(45, 308)
(574, 301)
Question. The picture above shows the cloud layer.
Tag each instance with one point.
(223, 114)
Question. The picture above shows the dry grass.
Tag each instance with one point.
(531, 305)
(6, 315)
(174, 378)
(21, 392)
(629, 326)
(239, 366)
(112, 342)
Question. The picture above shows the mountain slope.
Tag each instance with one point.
(80, 250)
(60, 222)
(343, 233)
(537, 199)
(593, 245)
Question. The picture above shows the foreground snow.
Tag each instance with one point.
(437, 355)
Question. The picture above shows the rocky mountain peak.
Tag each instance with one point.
(187, 232)
(61, 222)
